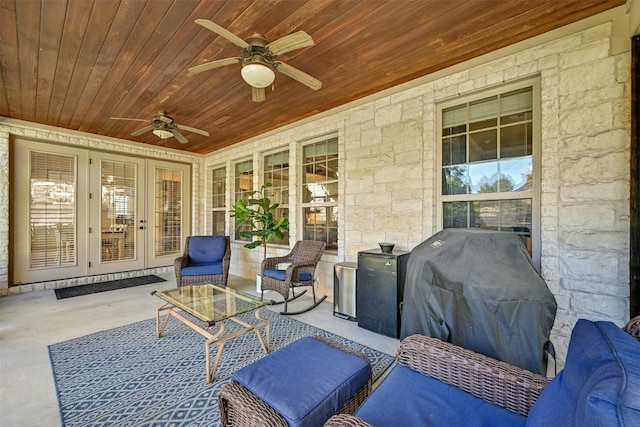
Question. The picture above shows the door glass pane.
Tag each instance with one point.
(52, 210)
(117, 215)
(168, 211)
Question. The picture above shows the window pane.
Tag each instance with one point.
(217, 223)
(454, 116)
(454, 150)
(516, 102)
(455, 215)
(243, 179)
(52, 210)
(454, 180)
(118, 210)
(218, 188)
(168, 205)
(484, 177)
(320, 192)
(504, 215)
(483, 145)
(516, 141)
(321, 223)
(276, 171)
(516, 174)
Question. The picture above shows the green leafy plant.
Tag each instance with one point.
(258, 212)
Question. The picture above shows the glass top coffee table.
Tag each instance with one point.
(212, 304)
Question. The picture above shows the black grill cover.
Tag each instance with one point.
(478, 289)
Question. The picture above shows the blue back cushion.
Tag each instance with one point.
(408, 398)
(206, 249)
(600, 384)
(306, 381)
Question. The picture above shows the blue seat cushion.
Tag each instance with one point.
(600, 383)
(206, 249)
(281, 274)
(306, 381)
(408, 398)
(202, 269)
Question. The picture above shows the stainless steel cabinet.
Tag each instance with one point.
(379, 288)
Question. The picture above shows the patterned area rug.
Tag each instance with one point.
(128, 377)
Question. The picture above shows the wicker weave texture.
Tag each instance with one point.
(345, 420)
(239, 407)
(216, 279)
(496, 382)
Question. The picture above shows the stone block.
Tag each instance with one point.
(595, 168)
(589, 265)
(594, 216)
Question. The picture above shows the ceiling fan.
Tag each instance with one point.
(164, 127)
(257, 60)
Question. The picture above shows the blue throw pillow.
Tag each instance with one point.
(600, 384)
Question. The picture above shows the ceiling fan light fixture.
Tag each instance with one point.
(161, 133)
(258, 75)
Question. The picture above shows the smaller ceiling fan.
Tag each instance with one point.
(164, 127)
(258, 64)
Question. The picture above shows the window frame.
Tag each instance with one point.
(533, 194)
(270, 192)
(334, 205)
(213, 194)
(241, 195)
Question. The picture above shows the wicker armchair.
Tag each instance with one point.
(496, 382)
(205, 260)
(302, 261)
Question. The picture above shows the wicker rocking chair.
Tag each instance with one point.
(302, 261)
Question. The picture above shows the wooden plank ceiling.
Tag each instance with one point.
(74, 64)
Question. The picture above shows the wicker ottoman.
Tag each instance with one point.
(301, 385)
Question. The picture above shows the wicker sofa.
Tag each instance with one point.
(438, 384)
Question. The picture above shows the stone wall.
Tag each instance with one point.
(388, 170)
(388, 162)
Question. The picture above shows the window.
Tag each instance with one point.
(243, 186)
(276, 171)
(487, 163)
(52, 210)
(320, 191)
(218, 206)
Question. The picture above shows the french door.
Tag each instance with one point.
(79, 213)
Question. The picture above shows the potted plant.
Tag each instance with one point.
(258, 212)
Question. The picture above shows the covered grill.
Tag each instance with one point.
(478, 289)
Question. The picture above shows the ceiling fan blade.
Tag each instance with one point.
(257, 94)
(223, 32)
(214, 64)
(179, 136)
(291, 42)
(194, 130)
(127, 118)
(143, 130)
(298, 75)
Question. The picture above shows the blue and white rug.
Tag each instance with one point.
(128, 377)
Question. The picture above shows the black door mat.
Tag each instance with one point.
(111, 285)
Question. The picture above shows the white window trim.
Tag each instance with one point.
(301, 204)
(536, 232)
